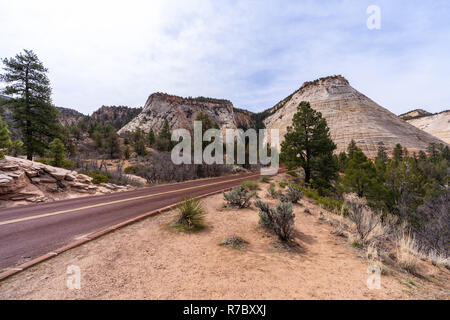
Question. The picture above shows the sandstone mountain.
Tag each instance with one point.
(437, 124)
(416, 113)
(180, 113)
(350, 115)
(23, 181)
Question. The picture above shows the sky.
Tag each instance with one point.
(253, 53)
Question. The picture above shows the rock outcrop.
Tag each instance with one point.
(437, 124)
(416, 113)
(24, 181)
(350, 115)
(180, 113)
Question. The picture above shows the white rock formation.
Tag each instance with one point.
(436, 124)
(350, 115)
(180, 113)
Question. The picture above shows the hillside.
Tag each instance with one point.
(68, 116)
(437, 124)
(180, 113)
(350, 115)
(413, 114)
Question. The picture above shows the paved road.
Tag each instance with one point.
(29, 231)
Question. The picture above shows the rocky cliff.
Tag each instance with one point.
(23, 181)
(69, 116)
(180, 113)
(437, 124)
(350, 115)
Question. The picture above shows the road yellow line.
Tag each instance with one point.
(116, 201)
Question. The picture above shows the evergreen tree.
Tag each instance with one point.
(139, 142)
(33, 112)
(127, 152)
(397, 153)
(359, 174)
(151, 137)
(381, 153)
(112, 143)
(57, 152)
(351, 148)
(5, 140)
(15, 148)
(164, 142)
(342, 161)
(308, 144)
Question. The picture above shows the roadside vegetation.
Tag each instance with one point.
(238, 197)
(392, 204)
(190, 216)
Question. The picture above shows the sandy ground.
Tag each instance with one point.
(149, 260)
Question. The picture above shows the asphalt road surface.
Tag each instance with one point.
(29, 231)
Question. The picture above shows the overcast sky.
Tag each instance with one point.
(253, 53)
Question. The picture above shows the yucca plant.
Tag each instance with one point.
(191, 215)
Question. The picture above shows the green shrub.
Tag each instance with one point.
(98, 178)
(234, 242)
(250, 185)
(293, 173)
(66, 164)
(279, 219)
(273, 193)
(131, 170)
(264, 179)
(283, 184)
(238, 197)
(265, 217)
(292, 195)
(191, 215)
(326, 202)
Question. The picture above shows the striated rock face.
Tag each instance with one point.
(416, 113)
(24, 181)
(436, 124)
(243, 119)
(180, 112)
(350, 115)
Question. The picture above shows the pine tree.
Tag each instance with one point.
(57, 152)
(139, 142)
(352, 147)
(308, 144)
(15, 148)
(112, 144)
(5, 140)
(127, 152)
(33, 112)
(151, 137)
(164, 142)
(397, 153)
